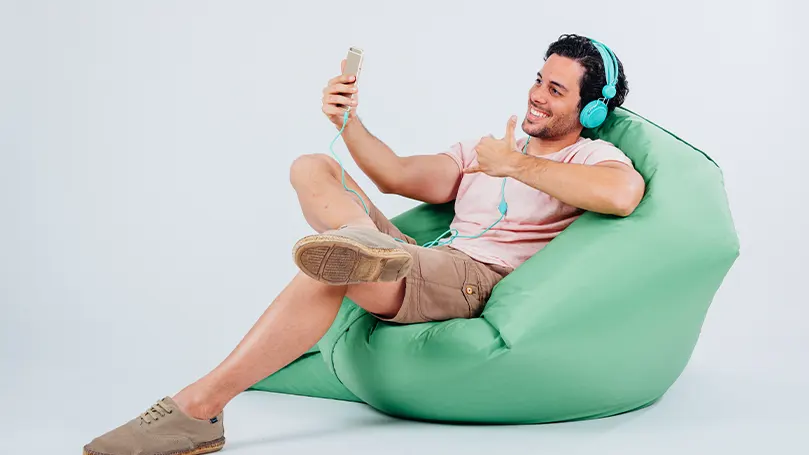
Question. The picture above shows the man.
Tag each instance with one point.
(550, 180)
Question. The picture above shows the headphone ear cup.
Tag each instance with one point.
(593, 114)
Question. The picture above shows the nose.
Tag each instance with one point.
(538, 96)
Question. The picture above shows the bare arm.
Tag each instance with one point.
(428, 178)
(609, 187)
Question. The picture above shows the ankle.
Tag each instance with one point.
(197, 403)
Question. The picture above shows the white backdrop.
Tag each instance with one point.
(148, 218)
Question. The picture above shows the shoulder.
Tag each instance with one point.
(462, 151)
(463, 145)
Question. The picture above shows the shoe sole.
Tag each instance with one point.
(207, 447)
(339, 260)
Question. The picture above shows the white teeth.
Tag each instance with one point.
(536, 113)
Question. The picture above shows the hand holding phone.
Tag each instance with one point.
(341, 93)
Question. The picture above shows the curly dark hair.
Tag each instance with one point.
(582, 50)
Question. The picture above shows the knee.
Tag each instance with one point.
(311, 168)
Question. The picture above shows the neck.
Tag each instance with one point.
(538, 147)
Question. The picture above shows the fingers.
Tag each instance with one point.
(338, 100)
(472, 170)
(333, 111)
(341, 79)
(340, 95)
(486, 139)
(339, 88)
(337, 112)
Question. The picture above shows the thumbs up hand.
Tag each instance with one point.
(496, 157)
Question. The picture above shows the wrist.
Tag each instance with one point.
(515, 165)
(350, 125)
(527, 168)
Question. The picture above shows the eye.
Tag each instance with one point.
(553, 89)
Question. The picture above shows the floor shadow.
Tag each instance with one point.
(356, 425)
(379, 419)
(587, 425)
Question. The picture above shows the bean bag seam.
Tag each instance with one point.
(333, 345)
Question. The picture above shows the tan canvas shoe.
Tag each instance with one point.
(162, 430)
(352, 254)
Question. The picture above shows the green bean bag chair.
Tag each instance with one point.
(551, 346)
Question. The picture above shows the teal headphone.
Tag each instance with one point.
(595, 112)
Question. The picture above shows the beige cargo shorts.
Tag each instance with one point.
(443, 283)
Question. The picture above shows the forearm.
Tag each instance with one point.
(378, 161)
(601, 189)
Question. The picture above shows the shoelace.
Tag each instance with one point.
(155, 412)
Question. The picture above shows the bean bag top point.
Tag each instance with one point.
(601, 321)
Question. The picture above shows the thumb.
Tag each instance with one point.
(512, 123)
(471, 170)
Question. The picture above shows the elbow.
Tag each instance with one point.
(390, 185)
(625, 202)
(386, 188)
(623, 209)
(393, 178)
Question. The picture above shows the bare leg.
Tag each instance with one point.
(325, 203)
(303, 312)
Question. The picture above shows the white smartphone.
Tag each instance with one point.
(353, 65)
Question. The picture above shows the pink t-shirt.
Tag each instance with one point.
(533, 218)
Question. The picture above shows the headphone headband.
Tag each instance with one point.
(610, 68)
(596, 111)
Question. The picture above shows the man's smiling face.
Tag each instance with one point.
(553, 100)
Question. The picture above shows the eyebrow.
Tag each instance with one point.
(539, 75)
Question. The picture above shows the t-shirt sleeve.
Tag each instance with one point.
(463, 153)
(602, 151)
